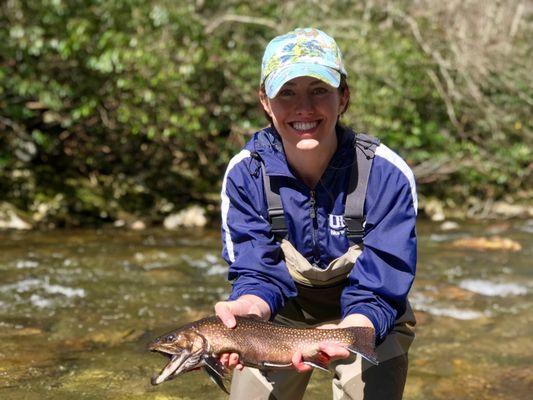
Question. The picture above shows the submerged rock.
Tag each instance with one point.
(28, 331)
(511, 210)
(84, 379)
(191, 217)
(138, 225)
(487, 243)
(449, 226)
(454, 293)
(106, 337)
(435, 210)
(10, 218)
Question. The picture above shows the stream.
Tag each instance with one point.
(77, 308)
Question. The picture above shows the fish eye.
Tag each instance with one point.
(170, 338)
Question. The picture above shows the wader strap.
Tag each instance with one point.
(275, 208)
(354, 216)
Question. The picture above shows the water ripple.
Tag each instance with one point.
(423, 303)
(32, 285)
(488, 288)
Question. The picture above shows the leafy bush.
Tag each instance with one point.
(136, 106)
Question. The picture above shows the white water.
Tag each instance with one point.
(488, 288)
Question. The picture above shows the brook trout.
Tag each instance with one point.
(260, 344)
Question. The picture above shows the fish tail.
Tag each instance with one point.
(364, 343)
(367, 354)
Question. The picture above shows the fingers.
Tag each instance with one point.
(297, 362)
(224, 312)
(224, 359)
(334, 351)
(254, 309)
(244, 305)
(231, 360)
(234, 361)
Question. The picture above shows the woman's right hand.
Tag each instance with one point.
(244, 305)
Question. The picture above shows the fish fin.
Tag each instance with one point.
(364, 345)
(319, 361)
(367, 353)
(216, 371)
(317, 365)
(274, 365)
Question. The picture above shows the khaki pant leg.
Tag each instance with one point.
(252, 384)
(360, 380)
(385, 381)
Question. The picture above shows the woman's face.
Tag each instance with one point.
(305, 112)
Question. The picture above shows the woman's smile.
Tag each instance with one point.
(304, 126)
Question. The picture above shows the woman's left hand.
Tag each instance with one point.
(332, 351)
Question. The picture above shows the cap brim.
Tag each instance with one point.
(278, 78)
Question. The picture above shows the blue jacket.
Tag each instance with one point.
(380, 281)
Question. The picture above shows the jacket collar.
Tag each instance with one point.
(268, 144)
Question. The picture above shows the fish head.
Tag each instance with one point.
(185, 350)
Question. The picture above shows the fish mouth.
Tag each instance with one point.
(175, 366)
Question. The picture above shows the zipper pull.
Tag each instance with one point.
(312, 202)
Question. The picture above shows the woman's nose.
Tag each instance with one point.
(304, 105)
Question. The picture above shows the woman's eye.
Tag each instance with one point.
(285, 92)
(320, 90)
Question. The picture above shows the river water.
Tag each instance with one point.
(77, 308)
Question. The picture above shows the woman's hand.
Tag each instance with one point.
(244, 305)
(332, 351)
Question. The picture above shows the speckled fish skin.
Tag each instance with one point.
(258, 341)
(260, 344)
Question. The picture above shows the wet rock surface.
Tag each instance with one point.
(487, 243)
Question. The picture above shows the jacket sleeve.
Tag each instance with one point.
(384, 272)
(255, 260)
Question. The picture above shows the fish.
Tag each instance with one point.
(260, 344)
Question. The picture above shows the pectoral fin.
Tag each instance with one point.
(319, 361)
(273, 365)
(317, 365)
(216, 371)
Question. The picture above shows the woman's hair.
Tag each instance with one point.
(343, 86)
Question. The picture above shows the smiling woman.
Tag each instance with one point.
(305, 112)
(318, 227)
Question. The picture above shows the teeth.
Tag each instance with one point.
(304, 126)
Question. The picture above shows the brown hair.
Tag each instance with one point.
(343, 86)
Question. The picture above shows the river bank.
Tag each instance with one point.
(48, 216)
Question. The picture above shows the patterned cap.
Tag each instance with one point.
(302, 52)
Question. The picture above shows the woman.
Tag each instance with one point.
(304, 266)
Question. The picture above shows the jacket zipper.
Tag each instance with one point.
(312, 214)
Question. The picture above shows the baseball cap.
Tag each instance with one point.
(301, 52)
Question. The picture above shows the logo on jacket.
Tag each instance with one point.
(336, 225)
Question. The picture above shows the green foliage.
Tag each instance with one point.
(110, 107)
